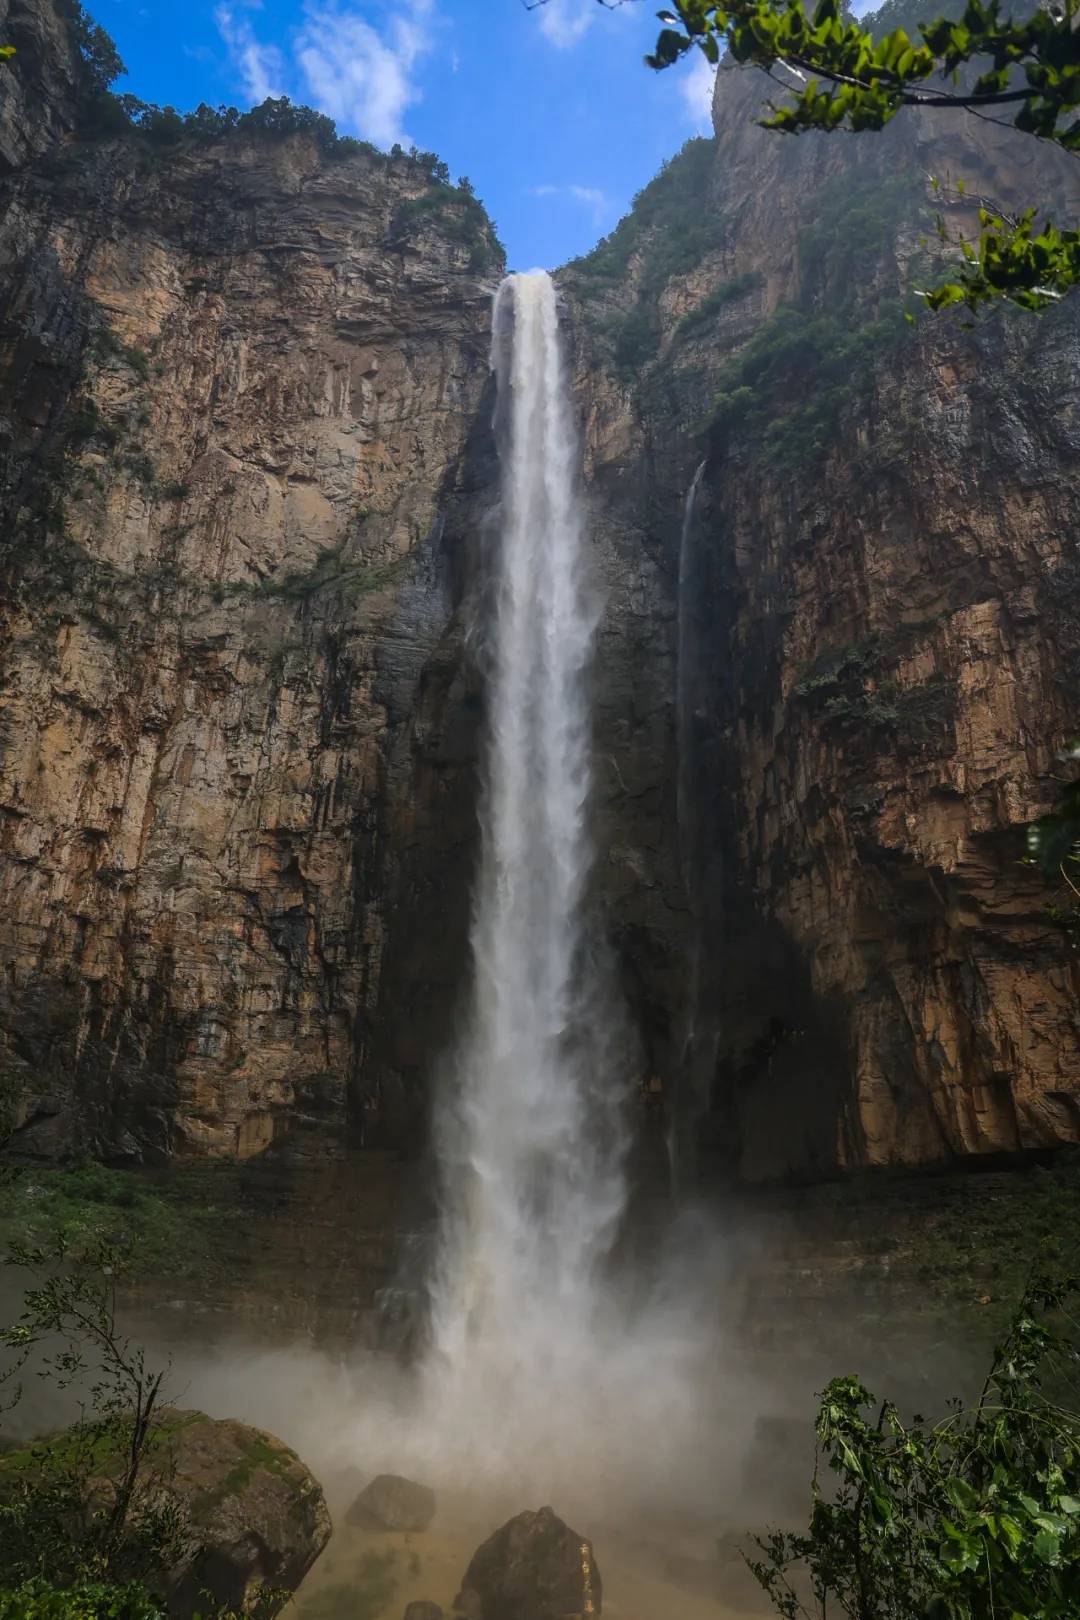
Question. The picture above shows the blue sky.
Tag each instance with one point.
(550, 112)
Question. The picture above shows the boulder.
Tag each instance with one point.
(257, 1515)
(392, 1503)
(534, 1568)
(423, 1611)
(251, 1517)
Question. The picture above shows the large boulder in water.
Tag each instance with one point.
(392, 1503)
(534, 1568)
(251, 1518)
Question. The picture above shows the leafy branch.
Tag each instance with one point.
(973, 1518)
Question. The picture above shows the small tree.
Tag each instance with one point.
(87, 1502)
(974, 1518)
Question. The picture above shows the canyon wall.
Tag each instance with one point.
(241, 386)
(878, 635)
(247, 476)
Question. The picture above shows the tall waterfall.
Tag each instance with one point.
(532, 1143)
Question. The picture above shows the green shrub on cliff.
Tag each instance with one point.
(784, 393)
(668, 231)
(458, 214)
(181, 1225)
(670, 216)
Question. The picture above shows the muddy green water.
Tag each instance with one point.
(684, 1574)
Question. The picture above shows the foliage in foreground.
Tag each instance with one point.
(842, 76)
(88, 1524)
(974, 1518)
(87, 1600)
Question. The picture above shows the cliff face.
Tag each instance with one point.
(39, 88)
(876, 635)
(240, 388)
(246, 471)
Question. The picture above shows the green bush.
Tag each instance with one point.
(976, 1517)
(458, 214)
(728, 292)
(163, 1225)
(88, 1600)
(783, 394)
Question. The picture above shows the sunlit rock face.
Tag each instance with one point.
(240, 394)
(882, 634)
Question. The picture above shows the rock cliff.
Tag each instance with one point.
(874, 615)
(241, 386)
(247, 465)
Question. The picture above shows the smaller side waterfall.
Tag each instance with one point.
(686, 683)
(699, 1032)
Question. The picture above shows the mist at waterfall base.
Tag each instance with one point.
(555, 1369)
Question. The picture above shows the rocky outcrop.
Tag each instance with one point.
(40, 86)
(256, 1515)
(240, 387)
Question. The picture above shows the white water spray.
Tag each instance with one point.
(533, 1142)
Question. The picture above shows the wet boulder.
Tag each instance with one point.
(256, 1515)
(392, 1503)
(423, 1611)
(534, 1568)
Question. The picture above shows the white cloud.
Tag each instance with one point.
(362, 75)
(259, 66)
(696, 81)
(589, 196)
(362, 78)
(563, 22)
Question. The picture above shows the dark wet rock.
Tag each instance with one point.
(423, 1610)
(392, 1503)
(534, 1568)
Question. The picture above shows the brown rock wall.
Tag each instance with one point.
(239, 412)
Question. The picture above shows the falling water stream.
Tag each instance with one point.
(532, 1139)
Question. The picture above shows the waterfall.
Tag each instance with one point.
(532, 1141)
(560, 1366)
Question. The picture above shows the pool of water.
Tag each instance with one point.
(659, 1573)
